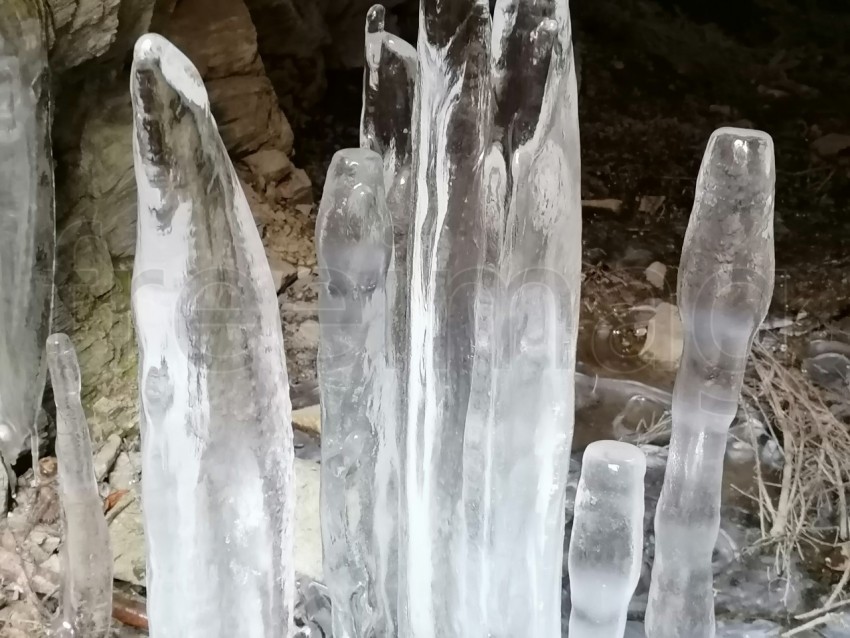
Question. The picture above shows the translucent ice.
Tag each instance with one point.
(538, 235)
(606, 546)
(27, 234)
(725, 287)
(451, 129)
(216, 434)
(354, 236)
(86, 557)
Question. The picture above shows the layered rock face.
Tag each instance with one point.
(96, 198)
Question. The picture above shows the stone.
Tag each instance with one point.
(126, 473)
(105, 457)
(651, 204)
(127, 537)
(220, 39)
(664, 337)
(101, 182)
(613, 205)
(93, 264)
(297, 188)
(282, 271)
(655, 273)
(271, 165)
(307, 335)
(308, 534)
(308, 419)
(831, 144)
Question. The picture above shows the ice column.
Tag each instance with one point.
(725, 286)
(451, 130)
(86, 557)
(354, 236)
(216, 434)
(386, 128)
(606, 546)
(27, 233)
(539, 263)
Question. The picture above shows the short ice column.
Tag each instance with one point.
(354, 240)
(606, 545)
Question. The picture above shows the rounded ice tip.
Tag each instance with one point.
(59, 344)
(63, 365)
(375, 19)
(154, 54)
(616, 453)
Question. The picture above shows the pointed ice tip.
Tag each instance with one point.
(155, 55)
(375, 19)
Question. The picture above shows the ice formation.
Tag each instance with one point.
(606, 545)
(216, 434)
(481, 171)
(86, 558)
(27, 233)
(725, 286)
(354, 236)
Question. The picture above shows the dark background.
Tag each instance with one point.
(657, 77)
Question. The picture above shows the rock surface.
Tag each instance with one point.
(300, 40)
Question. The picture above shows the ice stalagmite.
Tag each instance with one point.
(539, 263)
(451, 130)
(27, 233)
(725, 286)
(386, 128)
(216, 435)
(86, 557)
(606, 546)
(354, 237)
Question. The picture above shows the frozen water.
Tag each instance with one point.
(27, 233)
(86, 557)
(451, 127)
(359, 465)
(606, 545)
(725, 287)
(216, 434)
(536, 314)
(480, 164)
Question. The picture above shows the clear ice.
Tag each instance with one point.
(354, 237)
(481, 172)
(86, 609)
(216, 434)
(27, 231)
(606, 546)
(725, 286)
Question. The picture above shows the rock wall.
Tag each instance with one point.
(301, 39)
(96, 196)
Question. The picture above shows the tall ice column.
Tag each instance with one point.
(451, 129)
(27, 230)
(725, 287)
(606, 546)
(217, 455)
(86, 556)
(354, 241)
(539, 266)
